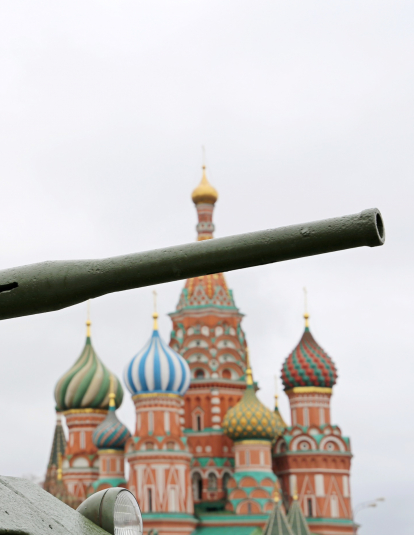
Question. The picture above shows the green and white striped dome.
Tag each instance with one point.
(86, 385)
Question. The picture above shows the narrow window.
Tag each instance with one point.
(167, 421)
(345, 486)
(294, 417)
(310, 510)
(319, 485)
(249, 508)
(321, 416)
(262, 459)
(197, 486)
(198, 422)
(293, 484)
(108, 465)
(150, 422)
(149, 497)
(82, 440)
(71, 439)
(247, 457)
(226, 479)
(334, 506)
(306, 417)
(172, 500)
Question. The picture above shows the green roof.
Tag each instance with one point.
(278, 523)
(230, 530)
(297, 519)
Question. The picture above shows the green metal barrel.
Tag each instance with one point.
(55, 285)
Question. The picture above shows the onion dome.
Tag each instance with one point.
(86, 385)
(204, 192)
(111, 433)
(157, 368)
(308, 365)
(249, 419)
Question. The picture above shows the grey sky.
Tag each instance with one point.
(306, 111)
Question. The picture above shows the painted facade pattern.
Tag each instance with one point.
(206, 457)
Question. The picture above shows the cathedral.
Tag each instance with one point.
(206, 457)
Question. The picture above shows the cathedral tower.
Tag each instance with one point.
(110, 438)
(82, 396)
(207, 332)
(312, 459)
(253, 428)
(158, 454)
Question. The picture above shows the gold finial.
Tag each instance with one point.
(306, 314)
(155, 313)
(88, 319)
(276, 393)
(112, 394)
(295, 492)
(276, 496)
(249, 375)
(204, 192)
(59, 468)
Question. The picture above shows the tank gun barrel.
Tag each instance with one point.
(49, 286)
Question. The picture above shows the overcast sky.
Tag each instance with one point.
(306, 111)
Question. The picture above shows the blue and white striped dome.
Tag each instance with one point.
(157, 368)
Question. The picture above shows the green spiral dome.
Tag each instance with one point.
(86, 385)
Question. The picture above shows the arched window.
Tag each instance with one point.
(226, 479)
(199, 374)
(197, 483)
(212, 482)
(226, 374)
(198, 419)
(171, 445)
(149, 446)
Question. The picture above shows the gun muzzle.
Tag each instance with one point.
(48, 286)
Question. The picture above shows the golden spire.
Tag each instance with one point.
(249, 375)
(155, 313)
(59, 468)
(306, 314)
(276, 393)
(112, 394)
(276, 496)
(295, 493)
(88, 320)
(204, 192)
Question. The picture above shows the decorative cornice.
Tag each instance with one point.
(155, 395)
(84, 411)
(111, 452)
(255, 442)
(309, 390)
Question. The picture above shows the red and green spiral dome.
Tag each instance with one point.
(308, 365)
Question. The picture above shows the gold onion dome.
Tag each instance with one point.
(204, 192)
(87, 384)
(250, 419)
